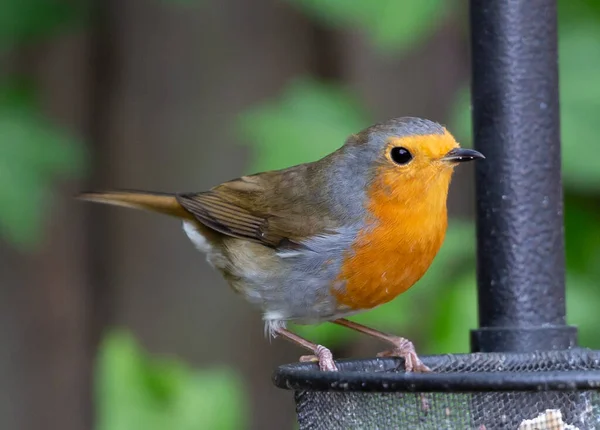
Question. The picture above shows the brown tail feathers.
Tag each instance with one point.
(153, 202)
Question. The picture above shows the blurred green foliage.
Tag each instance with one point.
(580, 104)
(310, 120)
(134, 391)
(390, 24)
(34, 153)
(26, 20)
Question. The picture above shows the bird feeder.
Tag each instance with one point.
(525, 371)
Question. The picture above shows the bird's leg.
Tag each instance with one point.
(321, 354)
(402, 347)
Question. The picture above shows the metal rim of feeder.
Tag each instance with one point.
(580, 370)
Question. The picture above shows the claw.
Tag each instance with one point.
(405, 349)
(309, 359)
(323, 356)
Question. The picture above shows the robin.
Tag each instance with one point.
(324, 240)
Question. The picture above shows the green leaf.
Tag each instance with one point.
(573, 13)
(454, 314)
(328, 334)
(582, 235)
(461, 123)
(32, 154)
(583, 302)
(390, 24)
(308, 121)
(580, 106)
(26, 19)
(135, 391)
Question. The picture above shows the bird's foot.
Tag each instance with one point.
(323, 356)
(405, 349)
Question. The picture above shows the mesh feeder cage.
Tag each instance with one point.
(525, 371)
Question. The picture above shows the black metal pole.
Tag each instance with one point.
(521, 265)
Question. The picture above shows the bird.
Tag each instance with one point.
(321, 241)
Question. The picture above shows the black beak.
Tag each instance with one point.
(461, 155)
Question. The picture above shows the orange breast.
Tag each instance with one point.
(405, 231)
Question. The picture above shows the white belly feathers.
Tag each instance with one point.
(197, 239)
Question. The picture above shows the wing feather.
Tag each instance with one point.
(265, 208)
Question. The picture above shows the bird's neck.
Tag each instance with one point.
(416, 198)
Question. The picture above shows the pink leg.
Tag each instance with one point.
(321, 354)
(402, 347)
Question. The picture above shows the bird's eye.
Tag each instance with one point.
(400, 155)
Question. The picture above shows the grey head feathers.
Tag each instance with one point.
(398, 127)
(407, 126)
(352, 167)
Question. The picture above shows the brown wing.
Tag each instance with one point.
(273, 208)
(215, 211)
